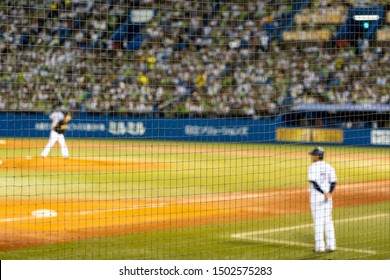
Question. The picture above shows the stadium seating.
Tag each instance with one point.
(326, 15)
(214, 61)
(317, 22)
(383, 35)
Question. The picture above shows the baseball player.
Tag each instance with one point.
(322, 178)
(58, 128)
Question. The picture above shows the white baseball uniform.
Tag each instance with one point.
(322, 176)
(56, 117)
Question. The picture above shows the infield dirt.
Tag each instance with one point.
(82, 219)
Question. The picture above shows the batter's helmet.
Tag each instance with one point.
(318, 151)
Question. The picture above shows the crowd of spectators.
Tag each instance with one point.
(199, 59)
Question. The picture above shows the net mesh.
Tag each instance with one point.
(190, 127)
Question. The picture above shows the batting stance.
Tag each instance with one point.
(322, 178)
(58, 128)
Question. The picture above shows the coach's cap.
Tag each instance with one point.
(317, 151)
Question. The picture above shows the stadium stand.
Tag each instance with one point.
(318, 22)
(224, 60)
(383, 35)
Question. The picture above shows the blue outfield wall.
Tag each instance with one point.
(97, 126)
(216, 130)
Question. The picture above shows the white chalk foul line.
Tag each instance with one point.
(254, 235)
(9, 220)
(268, 231)
(88, 212)
(308, 245)
(91, 212)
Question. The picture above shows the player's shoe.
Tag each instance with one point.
(330, 250)
(319, 251)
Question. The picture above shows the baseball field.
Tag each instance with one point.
(126, 199)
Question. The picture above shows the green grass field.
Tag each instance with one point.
(194, 169)
(224, 168)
